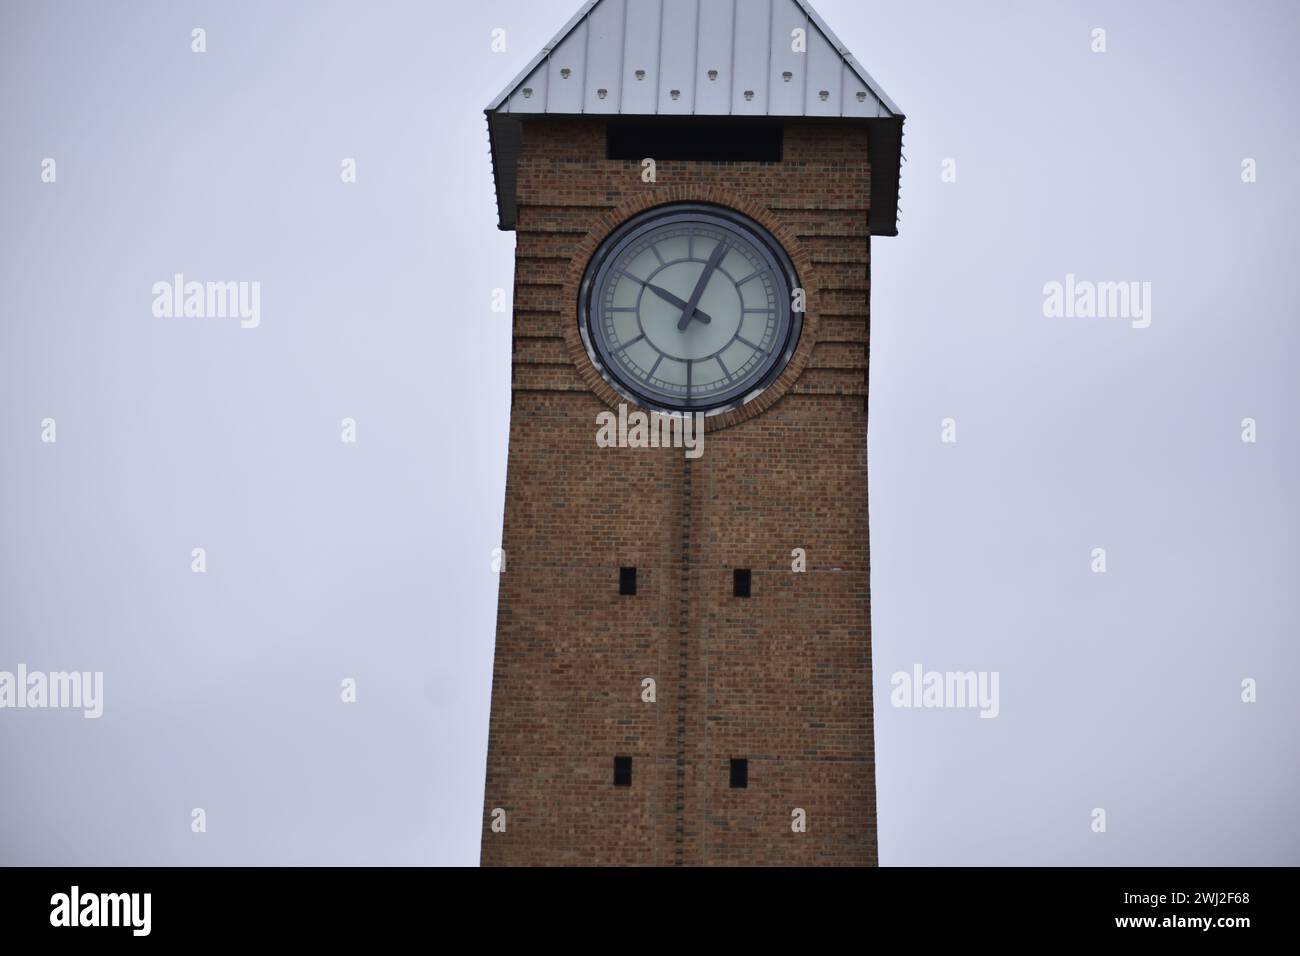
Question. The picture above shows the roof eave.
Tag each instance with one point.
(502, 126)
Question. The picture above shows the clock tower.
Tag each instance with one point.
(683, 651)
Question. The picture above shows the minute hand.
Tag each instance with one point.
(718, 252)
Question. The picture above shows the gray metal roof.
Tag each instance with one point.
(697, 58)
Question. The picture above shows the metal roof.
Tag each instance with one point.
(698, 58)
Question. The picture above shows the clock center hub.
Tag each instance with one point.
(660, 318)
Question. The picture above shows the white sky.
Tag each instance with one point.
(372, 561)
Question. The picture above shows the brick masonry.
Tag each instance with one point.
(782, 678)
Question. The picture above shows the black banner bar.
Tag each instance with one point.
(235, 905)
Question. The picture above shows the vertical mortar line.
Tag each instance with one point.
(702, 672)
(683, 648)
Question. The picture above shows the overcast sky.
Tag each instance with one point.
(371, 560)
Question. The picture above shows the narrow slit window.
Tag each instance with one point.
(622, 771)
(627, 580)
(739, 773)
(740, 583)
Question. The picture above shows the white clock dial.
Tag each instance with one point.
(688, 308)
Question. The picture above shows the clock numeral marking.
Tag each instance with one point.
(630, 342)
(654, 368)
(722, 365)
(750, 276)
(756, 348)
(763, 311)
(655, 250)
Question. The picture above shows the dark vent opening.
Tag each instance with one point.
(622, 771)
(694, 141)
(739, 773)
(740, 583)
(627, 580)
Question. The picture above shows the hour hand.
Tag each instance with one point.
(680, 303)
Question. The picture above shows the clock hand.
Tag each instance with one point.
(674, 300)
(719, 251)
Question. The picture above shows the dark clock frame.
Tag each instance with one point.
(606, 253)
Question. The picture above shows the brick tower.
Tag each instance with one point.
(683, 648)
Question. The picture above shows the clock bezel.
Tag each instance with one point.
(602, 258)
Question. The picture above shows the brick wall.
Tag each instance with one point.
(782, 678)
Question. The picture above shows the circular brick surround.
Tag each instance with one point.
(659, 196)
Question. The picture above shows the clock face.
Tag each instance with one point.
(687, 308)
